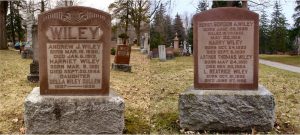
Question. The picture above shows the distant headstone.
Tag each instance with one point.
(225, 95)
(28, 51)
(142, 42)
(122, 58)
(176, 42)
(155, 53)
(123, 54)
(185, 47)
(146, 47)
(74, 61)
(170, 53)
(162, 52)
(34, 66)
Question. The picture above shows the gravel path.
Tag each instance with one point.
(280, 65)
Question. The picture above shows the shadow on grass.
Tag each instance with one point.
(165, 123)
(136, 125)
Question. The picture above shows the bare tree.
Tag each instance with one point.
(3, 36)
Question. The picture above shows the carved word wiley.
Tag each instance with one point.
(62, 33)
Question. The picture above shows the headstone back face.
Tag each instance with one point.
(74, 44)
(226, 49)
(123, 54)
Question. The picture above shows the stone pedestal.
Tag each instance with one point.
(227, 110)
(74, 114)
(121, 67)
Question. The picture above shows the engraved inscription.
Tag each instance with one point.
(61, 33)
(74, 66)
(226, 50)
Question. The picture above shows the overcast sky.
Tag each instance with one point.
(183, 7)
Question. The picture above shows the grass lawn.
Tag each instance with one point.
(151, 96)
(286, 59)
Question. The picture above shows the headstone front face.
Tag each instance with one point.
(74, 44)
(123, 54)
(226, 49)
(162, 52)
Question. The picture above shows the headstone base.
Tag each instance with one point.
(34, 78)
(74, 114)
(170, 56)
(121, 67)
(227, 110)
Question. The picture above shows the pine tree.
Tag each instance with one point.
(169, 30)
(264, 33)
(297, 14)
(202, 6)
(278, 30)
(14, 21)
(179, 29)
(159, 22)
(158, 29)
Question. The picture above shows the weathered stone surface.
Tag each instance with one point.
(229, 110)
(121, 67)
(73, 114)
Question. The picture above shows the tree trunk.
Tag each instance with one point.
(12, 25)
(3, 37)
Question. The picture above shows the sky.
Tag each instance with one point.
(188, 7)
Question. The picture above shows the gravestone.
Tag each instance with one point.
(176, 42)
(226, 95)
(122, 59)
(185, 47)
(28, 51)
(146, 47)
(142, 42)
(74, 94)
(162, 52)
(34, 66)
(155, 53)
(170, 53)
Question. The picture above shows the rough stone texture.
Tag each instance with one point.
(224, 110)
(73, 114)
(121, 67)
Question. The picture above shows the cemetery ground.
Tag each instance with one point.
(150, 92)
(285, 59)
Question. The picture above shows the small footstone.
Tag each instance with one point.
(121, 67)
(73, 114)
(227, 110)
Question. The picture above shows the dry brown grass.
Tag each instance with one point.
(14, 87)
(150, 92)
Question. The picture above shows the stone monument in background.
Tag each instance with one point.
(122, 58)
(226, 95)
(34, 66)
(74, 67)
(28, 51)
(146, 47)
(162, 52)
(176, 43)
